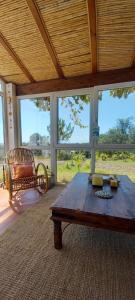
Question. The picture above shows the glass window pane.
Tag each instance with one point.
(71, 162)
(35, 122)
(1, 124)
(43, 156)
(117, 116)
(116, 162)
(0, 86)
(1, 139)
(73, 119)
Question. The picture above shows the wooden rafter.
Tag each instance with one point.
(45, 35)
(15, 57)
(92, 32)
(84, 81)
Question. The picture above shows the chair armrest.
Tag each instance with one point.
(43, 167)
(44, 171)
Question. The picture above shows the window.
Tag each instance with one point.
(116, 117)
(35, 128)
(44, 156)
(73, 119)
(72, 137)
(73, 127)
(116, 162)
(1, 87)
(1, 138)
(71, 162)
(35, 122)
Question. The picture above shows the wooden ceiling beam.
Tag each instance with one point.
(92, 33)
(85, 81)
(15, 57)
(45, 35)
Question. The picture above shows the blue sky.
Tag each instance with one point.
(80, 135)
(33, 120)
(110, 109)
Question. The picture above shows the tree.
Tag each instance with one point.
(45, 140)
(64, 131)
(43, 103)
(124, 125)
(132, 135)
(122, 92)
(123, 133)
(76, 106)
(35, 139)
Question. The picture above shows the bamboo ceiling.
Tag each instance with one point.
(49, 39)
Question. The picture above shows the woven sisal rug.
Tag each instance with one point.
(93, 264)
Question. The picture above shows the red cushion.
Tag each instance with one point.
(22, 170)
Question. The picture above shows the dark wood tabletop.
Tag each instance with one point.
(79, 195)
(79, 204)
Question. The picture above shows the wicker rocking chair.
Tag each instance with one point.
(21, 160)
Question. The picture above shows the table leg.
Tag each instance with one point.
(57, 235)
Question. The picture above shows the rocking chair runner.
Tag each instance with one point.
(20, 173)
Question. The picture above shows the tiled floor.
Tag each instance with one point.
(7, 216)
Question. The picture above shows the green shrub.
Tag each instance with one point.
(121, 156)
(68, 166)
(64, 155)
(115, 156)
(132, 156)
(78, 158)
(104, 156)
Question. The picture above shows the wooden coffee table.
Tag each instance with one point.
(78, 204)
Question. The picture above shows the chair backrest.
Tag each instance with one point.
(19, 156)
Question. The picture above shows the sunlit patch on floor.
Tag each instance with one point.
(7, 215)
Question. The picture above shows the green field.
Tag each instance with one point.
(67, 169)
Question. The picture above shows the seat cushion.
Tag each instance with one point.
(22, 170)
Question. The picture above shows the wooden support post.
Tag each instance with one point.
(53, 137)
(11, 115)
